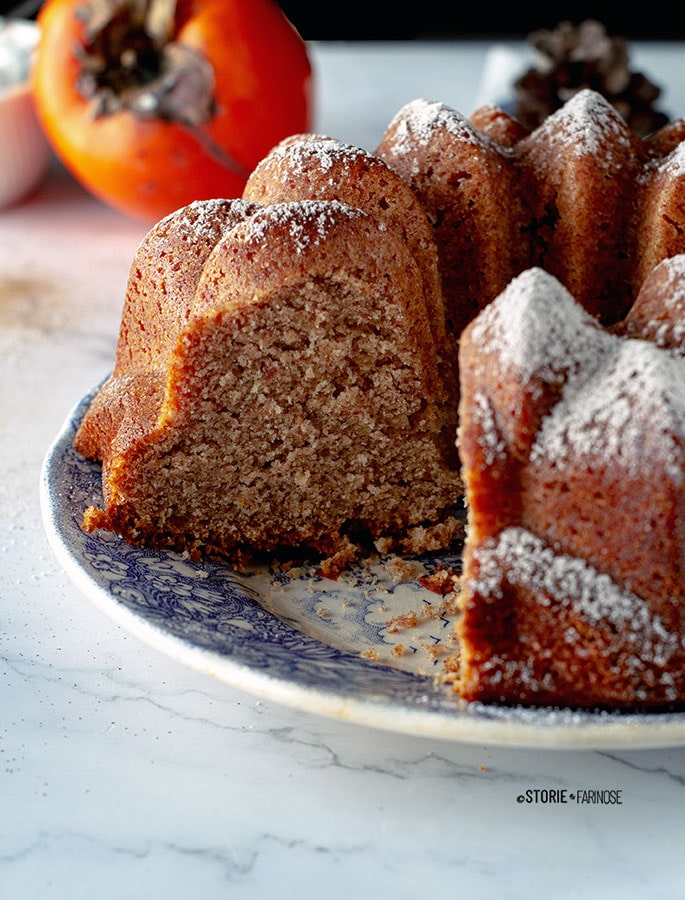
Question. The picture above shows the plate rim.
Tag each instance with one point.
(471, 723)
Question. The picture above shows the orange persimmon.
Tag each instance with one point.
(154, 103)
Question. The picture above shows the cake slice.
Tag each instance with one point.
(163, 280)
(295, 396)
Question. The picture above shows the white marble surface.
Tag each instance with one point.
(123, 774)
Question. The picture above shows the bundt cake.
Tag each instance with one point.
(290, 389)
(580, 196)
(572, 441)
(295, 367)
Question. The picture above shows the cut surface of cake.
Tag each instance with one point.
(294, 385)
(580, 196)
(573, 445)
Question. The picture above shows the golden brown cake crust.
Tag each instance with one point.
(658, 314)
(542, 628)
(466, 184)
(165, 274)
(581, 196)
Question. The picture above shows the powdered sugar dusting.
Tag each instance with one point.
(206, 218)
(538, 330)
(530, 563)
(416, 124)
(490, 436)
(664, 334)
(307, 222)
(675, 268)
(662, 322)
(587, 125)
(631, 413)
(673, 166)
(323, 154)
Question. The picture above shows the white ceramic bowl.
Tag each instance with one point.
(24, 150)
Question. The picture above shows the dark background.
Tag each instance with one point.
(382, 20)
(360, 20)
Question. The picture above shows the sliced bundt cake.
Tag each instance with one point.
(294, 394)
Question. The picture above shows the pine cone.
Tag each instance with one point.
(571, 58)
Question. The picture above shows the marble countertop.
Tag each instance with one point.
(125, 774)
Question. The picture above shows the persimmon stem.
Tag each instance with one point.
(131, 62)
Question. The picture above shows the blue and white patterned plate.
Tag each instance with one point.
(302, 640)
